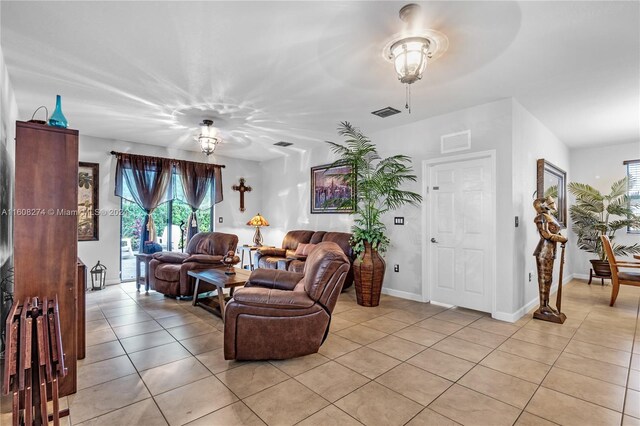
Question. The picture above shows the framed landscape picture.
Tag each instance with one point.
(329, 191)
(88, 177)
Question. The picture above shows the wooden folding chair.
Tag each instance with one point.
(619, 277)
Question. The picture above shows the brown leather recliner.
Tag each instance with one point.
(282, 314)
(285, 258)
(168, 270)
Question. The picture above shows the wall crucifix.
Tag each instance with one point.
(242, 188)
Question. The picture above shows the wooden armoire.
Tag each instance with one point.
(46, 227)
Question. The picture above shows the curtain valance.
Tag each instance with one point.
(149, 181)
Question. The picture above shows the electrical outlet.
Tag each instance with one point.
(396, 268)
(220, 219)
(517, 221)
(530, 276)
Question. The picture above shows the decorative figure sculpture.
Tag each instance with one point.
(229, 260)
(545, 254)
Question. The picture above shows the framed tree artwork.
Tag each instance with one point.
(330, 193)
(88, 177)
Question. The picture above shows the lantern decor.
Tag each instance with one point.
(257, 221)
(229, 260)
(98, 276)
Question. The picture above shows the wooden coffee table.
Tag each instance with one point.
(216, 279)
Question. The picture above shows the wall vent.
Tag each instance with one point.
(283, 143)
(453, 142)
(386, 112)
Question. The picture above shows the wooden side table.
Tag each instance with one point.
(216, 279)
(143, 258)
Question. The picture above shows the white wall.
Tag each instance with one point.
(8, 116)
(517, 138)
(107, 249)
(490, 126)
(286, 188)
(287, 200)
(599, 167)
(532, 140)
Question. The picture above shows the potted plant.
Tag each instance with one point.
(376, 182)
(595, 214)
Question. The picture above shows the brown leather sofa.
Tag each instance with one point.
(282, 314)
(168, 270)
(285, 259)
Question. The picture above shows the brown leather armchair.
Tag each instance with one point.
(282, 314)
(168, 270)
(285, 258)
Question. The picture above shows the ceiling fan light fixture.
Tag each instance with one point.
(207, 138)
(411, 51)
(409, 57)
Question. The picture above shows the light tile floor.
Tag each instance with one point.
(154, 361)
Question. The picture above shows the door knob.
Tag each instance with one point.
(433, 240)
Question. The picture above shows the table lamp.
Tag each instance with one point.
(257, 221)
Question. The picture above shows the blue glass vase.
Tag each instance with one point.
(57, 118)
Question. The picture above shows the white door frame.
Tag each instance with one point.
(426, 220)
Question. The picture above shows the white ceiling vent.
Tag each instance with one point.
(453, 142)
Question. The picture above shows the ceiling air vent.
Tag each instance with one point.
(385, 112)
(283, 143)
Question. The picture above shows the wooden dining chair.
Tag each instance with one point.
(619, 277)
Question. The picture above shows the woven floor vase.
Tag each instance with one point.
(368, 274)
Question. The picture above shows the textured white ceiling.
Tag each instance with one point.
(269, 71)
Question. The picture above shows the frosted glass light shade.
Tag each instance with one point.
(410, 58)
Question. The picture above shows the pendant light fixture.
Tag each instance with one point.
(411, 51)
(207, 137)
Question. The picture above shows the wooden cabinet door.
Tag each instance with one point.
(46, 226)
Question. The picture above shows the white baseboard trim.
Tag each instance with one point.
(402, 294)
(513, 317)
(111, 282)
(581, 276)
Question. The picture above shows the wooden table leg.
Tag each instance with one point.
(195, 293)
(146, 275)
(221, 301)
(137, 274)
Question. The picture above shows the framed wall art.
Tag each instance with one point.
(329, 191)
(88, 177)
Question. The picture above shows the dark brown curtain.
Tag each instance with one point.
(202, 187)
(147, 181)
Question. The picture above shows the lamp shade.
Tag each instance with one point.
(258, 220)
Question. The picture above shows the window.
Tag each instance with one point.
(633, 174)
(169, 218)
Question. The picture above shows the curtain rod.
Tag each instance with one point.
(150, 156)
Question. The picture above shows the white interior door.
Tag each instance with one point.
(461, 241)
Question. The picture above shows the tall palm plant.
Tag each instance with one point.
(595, 214)
(377, 183)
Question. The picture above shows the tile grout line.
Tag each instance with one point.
(633, 344)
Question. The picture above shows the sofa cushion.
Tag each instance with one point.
(296, 266)
(168, 272)
(268, 262)
(170, 257)
(293, 238)
(343, 239)
(320, 266)
(304, 249)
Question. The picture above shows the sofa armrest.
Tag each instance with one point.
(271, 251)
(298, 257)
(274, 279)
(204, 258)
(170, 257)
(269, 298)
